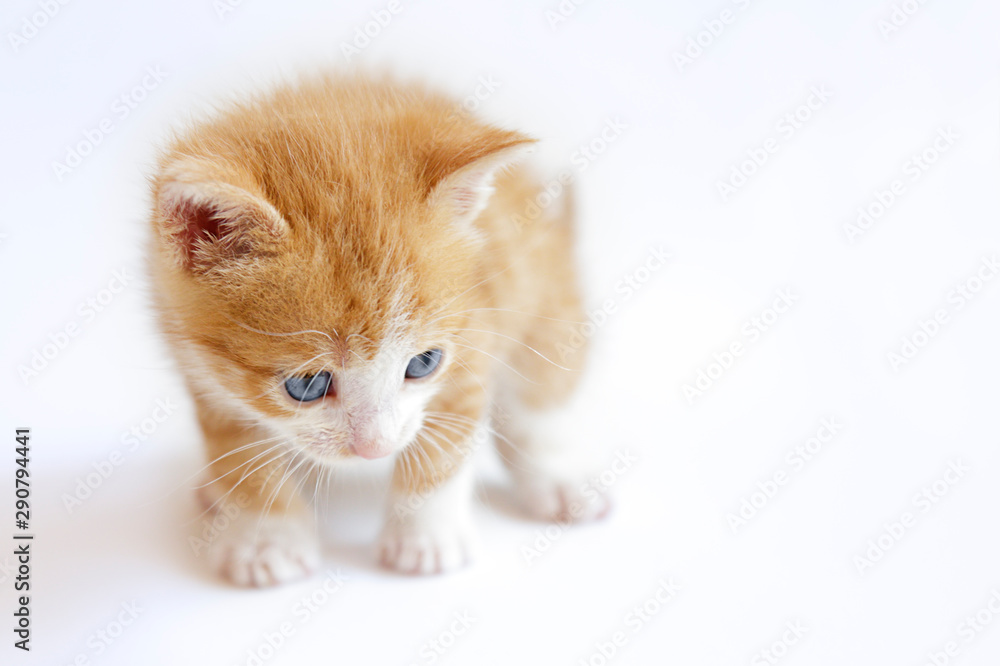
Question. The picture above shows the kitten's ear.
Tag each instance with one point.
(206, 220)
(462, 180)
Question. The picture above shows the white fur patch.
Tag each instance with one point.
(431, 533)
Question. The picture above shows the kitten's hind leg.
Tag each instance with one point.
(553, 480)
(262, 533)
(534, 412)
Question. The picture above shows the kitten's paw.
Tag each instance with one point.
(560, 500)
(411, 550)
(280, 550)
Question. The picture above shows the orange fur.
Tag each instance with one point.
(302, 230)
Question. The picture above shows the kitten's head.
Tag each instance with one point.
(312, 251)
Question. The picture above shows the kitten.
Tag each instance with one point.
(337, 271)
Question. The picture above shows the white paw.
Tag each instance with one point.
(261, 553)
(560, 500)
(412, 550)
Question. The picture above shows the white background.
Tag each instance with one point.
(656, 185)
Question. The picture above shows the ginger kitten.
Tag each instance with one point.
(338, 274)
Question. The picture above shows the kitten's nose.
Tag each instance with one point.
(370, 449)
(368, 423)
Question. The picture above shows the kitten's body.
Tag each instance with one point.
(345, 227)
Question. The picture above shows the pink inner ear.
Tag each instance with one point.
(195, 225)
(467, 194)
(210, 222)
(467, 188)
(198, 221)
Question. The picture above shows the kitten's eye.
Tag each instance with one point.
(424, 364)
(308, 388)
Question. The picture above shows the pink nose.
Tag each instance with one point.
(370, 450)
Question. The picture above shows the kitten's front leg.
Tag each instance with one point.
(428, 527)
(268, 537)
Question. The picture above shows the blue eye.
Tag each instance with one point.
(308, 388)
(424, 364)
